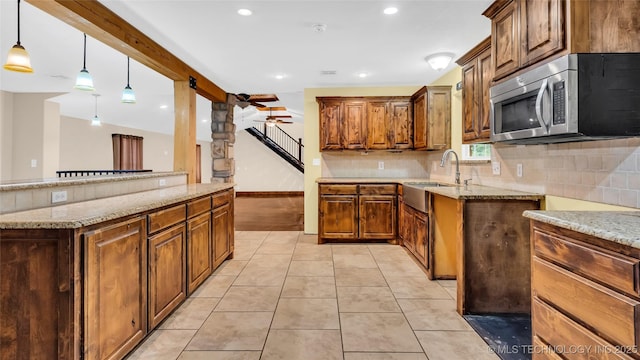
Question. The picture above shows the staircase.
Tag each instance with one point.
(281, 143)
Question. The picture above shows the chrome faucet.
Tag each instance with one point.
(444, 158)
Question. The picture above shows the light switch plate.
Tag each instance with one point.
(380, 165)
(519, 170)
(495, 167)
(162, 182)
(316, 162)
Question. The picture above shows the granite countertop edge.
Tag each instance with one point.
(86, 213)
(58, 182)
(459, 192)
(616, 226)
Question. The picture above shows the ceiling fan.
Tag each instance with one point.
(243, 100)
(272, 120)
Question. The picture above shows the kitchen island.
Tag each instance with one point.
(91, 279)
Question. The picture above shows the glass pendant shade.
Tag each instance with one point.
(84, 81)
(18, 58)
(96, 120)
(128, 96)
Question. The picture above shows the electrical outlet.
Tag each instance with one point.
(316, 162)
(519, 170)
(380, 165)
(58, 196)
(162, 182)
(495, 167)
(34, 163)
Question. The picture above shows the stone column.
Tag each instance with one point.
(223, 136)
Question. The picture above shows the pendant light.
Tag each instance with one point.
(18, 58)
(128, 96)
(96, 120)
(84, 80)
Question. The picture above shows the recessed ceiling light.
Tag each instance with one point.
(204, 120)
(390, 10)
(244, 12)
(164, 106)
(279, 76)
(363, 75)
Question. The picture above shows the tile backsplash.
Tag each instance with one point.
(605, 171)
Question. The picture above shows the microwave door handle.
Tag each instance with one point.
(543, 88)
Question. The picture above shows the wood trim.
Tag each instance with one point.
(184, 139)
(495, 8)
(95, 19)
(266, 194)
(474, 52)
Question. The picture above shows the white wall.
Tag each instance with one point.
(83, 146)
(260, 169)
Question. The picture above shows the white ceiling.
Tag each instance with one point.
(241, 54)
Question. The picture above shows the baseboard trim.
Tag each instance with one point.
(266, 194)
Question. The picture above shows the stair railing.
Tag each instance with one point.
(283, 140)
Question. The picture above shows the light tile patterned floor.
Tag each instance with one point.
(285, 297)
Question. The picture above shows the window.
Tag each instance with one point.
(479, 152)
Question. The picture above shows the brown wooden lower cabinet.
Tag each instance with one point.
(115, 282)
(584, 292)
(199, 250)
(415, 230)
(167, 268)
(96, 292)
(357, 212)
(223, 231)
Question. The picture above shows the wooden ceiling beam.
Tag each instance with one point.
(96, 20)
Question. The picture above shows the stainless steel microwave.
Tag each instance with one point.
(573, 98)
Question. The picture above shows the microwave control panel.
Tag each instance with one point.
(559, 103)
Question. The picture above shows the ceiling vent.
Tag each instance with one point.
(328, 72)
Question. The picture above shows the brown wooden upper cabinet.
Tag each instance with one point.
(477, 74)
(421, 122)
(525, 32)
(365, 123)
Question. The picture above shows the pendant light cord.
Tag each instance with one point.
(96, 96)
(128, 71)
(18, 22)
(84, 58)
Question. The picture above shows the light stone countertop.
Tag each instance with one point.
(621, 227)
(81, 180)
(460, 192)
(80, 214)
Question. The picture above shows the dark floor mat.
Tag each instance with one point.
(509, 336)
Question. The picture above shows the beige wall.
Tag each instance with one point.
(260, 169)
(6, 135)
(31, 123)
(595, 175)
(83, 146)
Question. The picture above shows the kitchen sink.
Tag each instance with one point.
(427, 184)
(415, 195)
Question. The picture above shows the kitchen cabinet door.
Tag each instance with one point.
(421, 237)
(167, 268)
(378, 126)
(408, 237)
(401, 115)
(330, 125)
(354, 124)
(221, 233)
(541, 23)
(199, 250)
(338, 216)
(420, 126)
(377, 216)
(438, 117)
(505, 40)
(115, 308)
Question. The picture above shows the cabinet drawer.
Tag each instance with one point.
(222, 198)
(341, 189)
(609, 268)
(562, 333)
(167, 217)
(608, 313)
(384, 189)
(542, 351)
(198, 206)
